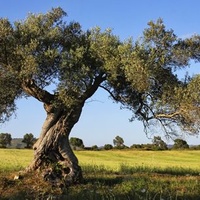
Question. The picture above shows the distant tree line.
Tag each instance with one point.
(6, 139)
(118, 143)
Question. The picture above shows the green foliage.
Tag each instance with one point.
(108, 146)
(136, 146)
(76, 142)
(5, 139)
(29, 140)
(94, 148)
(159, 144)
(118, 142)
(195, 147)
(180, 144)
(141, 75)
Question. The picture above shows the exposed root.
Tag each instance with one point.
(62, 175)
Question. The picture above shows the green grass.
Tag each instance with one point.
(125, 174)
(14, 159)
(158, 159)
(17, 159)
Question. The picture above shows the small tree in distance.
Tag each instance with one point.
(108, 146)
(29, 140)
(5, 140)
(118, 142)
(94, 148)
(159, 144)
(76, 143)
(180, 144)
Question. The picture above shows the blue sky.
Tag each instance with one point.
(101, 119)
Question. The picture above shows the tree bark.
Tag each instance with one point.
(52, 152)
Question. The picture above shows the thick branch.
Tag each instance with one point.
(171, 116)
(167, 116)
(32, 89)
(111, 94)
(93, 88)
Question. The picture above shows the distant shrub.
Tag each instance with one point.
(5, 140)
(180, 144)
(94, 148)
(136, 146)
(108, 147)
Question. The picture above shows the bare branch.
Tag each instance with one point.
(111, 94)
(167, 116)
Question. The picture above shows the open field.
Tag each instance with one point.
(158, 159)
(124, 174)
(17, 159)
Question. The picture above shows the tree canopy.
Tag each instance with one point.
(141, 75)
(159, 144)
(180, 144)
(118, 142)
(29, 140)
(76, 142)
(5, 139)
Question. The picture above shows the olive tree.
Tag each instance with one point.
(5, 139)
(180, 144)
(29, 140)
(118, 142)
(108, 146)
(44, 50)
(159, 144)
(76, 142)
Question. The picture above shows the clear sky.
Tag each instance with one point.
(101, 119)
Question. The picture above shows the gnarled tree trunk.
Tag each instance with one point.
(53, 154)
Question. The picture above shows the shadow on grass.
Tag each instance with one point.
(107, 181)
(101, 183)
(177, 171)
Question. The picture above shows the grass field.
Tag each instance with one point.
(117, 174)
(160, 159)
